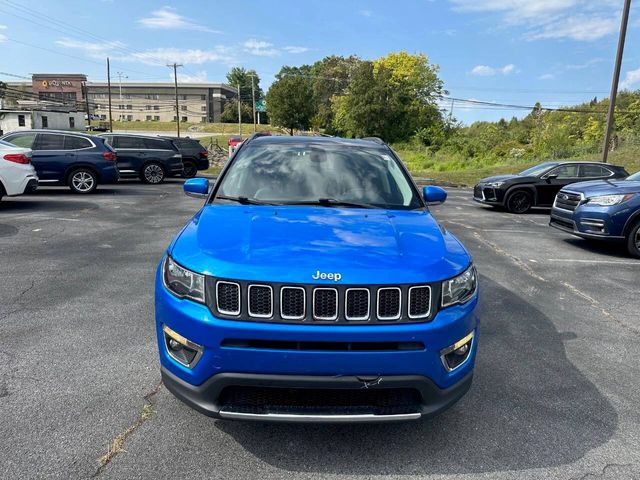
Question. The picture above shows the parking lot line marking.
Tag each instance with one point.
(609, 262)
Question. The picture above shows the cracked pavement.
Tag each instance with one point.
(555, 393)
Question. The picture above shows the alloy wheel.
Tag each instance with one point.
(153, 173)
(83, 181)
(519, 202)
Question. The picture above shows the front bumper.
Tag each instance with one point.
(600, 223)
(220, 364)
(205, 398)
(488, 195)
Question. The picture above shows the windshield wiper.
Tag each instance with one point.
(243, 200)
(331, 202)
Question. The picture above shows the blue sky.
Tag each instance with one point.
(558, 52)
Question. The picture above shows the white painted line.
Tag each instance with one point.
(604, 262)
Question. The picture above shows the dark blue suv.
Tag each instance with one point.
(601, 210)
(314, 284)
(68, 158)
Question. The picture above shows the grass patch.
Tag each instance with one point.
(220, 128)
(459, 170)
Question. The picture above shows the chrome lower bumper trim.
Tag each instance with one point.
(304, 418)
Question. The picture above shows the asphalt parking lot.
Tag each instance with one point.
(555, 393)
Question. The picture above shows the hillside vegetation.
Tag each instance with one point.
(465, 154)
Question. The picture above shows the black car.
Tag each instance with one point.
(194, 156)
(74, 159)
(537, 186)
(152, 159)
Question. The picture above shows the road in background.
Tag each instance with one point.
(554, 396)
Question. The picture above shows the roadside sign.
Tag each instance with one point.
(261, 106)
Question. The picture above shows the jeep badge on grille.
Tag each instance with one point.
(336, 277)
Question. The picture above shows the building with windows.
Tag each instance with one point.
(130, 101)
(12, 120)
(197, 102)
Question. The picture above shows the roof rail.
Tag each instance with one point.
(374, 139)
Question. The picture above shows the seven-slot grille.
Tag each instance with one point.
(244, 300)
(568, 201)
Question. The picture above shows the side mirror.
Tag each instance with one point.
(196, 187)
(434, 195)
(553, 176)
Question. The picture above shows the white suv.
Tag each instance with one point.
(17, 175)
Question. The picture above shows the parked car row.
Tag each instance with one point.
(82, 161)
(588, 199)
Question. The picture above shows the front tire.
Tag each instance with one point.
(83, 181)
(519, 202)
(633, 240)
(190, 170)
(152, 173)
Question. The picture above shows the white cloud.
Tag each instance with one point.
(487, 71)
(168, 19)
(198, 77)
(365, 13)
(580, 27)
(260, 48)
(579, 20)
(547, 76)
(584, 65)
(156, 56)
(295, 50)
(94, 49)
(3, 37)
(631, 78)
(218, 54)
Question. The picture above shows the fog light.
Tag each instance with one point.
(456, 355)
(181, 349)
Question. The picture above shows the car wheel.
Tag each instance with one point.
(190, 170)
(633, 240)
(82, 180)
(152, 173)
(519, 201)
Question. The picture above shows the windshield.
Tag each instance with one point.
(635, 176)
(318, 174)
(537, 170)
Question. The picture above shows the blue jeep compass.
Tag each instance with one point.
(315, 285)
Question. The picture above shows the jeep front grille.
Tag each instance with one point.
(325, 304)
(228, 297)
(292, 303)
(347, 304)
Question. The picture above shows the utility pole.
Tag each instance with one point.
(239, 113)
(109, 90)
(120, 75)
(175, 80)
(253, 97)
(616, 79)
(86, 102)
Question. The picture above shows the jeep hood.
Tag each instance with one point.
(604, 187)
(291, 243)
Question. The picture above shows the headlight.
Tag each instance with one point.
(460, 289)
(609, 200)
(182, 282)
(494, 184)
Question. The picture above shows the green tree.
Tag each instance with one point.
(290, 101)
(393, 97)
(230, 112)
(331, 77)
(243, 77)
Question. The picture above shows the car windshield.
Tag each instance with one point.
(635, 176)
(537, 170)
(307, 173)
